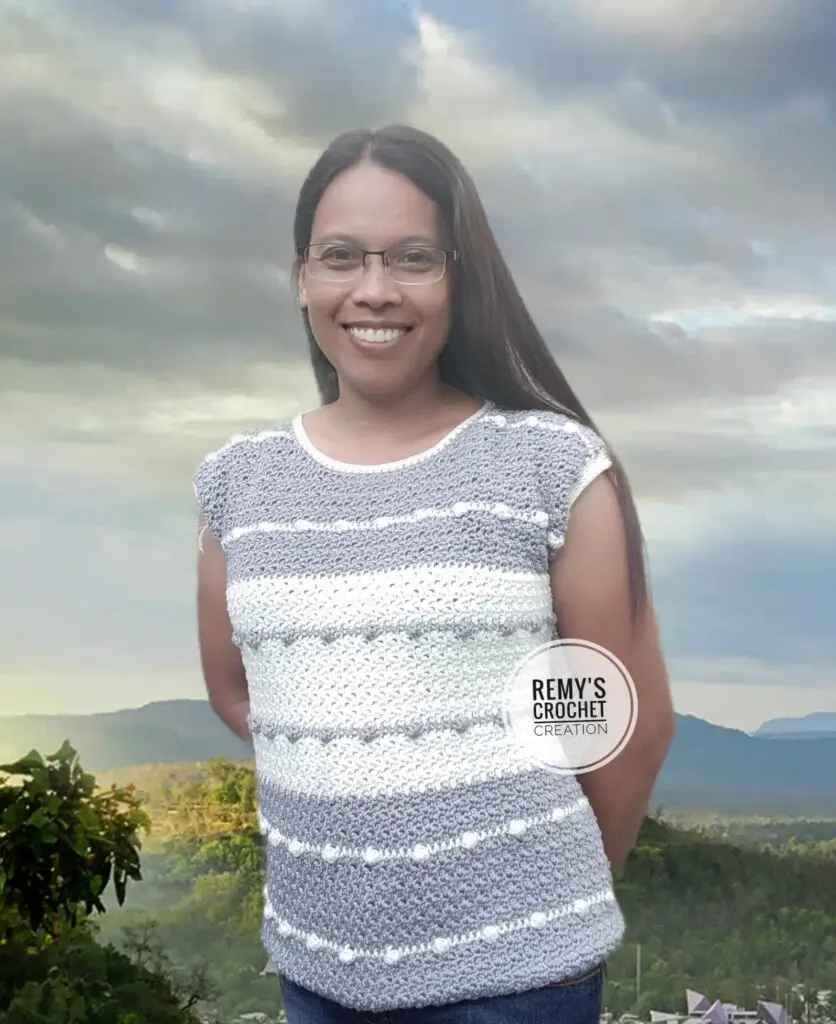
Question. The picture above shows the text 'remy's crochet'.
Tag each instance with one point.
(414, 857)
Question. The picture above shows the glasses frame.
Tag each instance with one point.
(450, 256)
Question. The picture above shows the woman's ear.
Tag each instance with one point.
(303, 294)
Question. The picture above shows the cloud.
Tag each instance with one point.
(659, 176)
(664, 26)
(766, 599)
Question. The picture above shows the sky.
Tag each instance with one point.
(659, 174)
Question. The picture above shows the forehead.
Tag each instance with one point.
(375, 206)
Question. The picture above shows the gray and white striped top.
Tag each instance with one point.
(414, 856)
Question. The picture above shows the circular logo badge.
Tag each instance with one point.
(571, 706)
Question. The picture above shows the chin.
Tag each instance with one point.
(376, 385)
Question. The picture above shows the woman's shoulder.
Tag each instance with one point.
(229, 467)
(243, 448)
(546, 430)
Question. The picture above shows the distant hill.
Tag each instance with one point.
(818, 725)
(175, 730)
(708, 765)
(712, 766)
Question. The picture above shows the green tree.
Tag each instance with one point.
(62, 842)
(74, 980)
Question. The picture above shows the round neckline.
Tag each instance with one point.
(301, 436)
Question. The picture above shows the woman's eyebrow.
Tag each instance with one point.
(354, 240)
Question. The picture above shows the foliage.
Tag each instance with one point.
(737, 921)
(75, 980)
(63, 842)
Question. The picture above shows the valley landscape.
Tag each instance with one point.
(786, 766)
(731, 889)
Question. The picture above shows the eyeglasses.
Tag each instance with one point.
(406, 264)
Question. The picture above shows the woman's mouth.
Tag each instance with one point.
(377, 336)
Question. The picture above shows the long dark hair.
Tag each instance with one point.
(494, 350)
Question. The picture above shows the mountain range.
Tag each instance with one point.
(172, 730)
(708, 765)
(817, 724)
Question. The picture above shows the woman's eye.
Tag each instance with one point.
(340, 255)
(413, 257)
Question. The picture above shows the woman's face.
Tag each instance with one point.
(376, 209)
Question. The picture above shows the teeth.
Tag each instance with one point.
(376, 337)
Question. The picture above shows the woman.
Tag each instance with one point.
(373, 570)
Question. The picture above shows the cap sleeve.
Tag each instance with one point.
(578, 455)
(210, 486)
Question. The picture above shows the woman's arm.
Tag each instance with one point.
(592, 602)
(223, 667)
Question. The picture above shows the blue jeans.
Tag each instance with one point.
(576, 1001)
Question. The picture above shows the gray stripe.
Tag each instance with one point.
(515, 963)
(512, 546)
(483, 465)
(465, 629)
(404, 820)
(452, 893)
(268, 728)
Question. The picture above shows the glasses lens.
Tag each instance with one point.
(334, 262)
(330, 261)
(416, 264)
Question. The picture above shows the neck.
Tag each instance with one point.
(398, 413)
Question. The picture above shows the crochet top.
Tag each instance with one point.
(413, 855)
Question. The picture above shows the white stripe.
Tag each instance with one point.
(594, 468)
(442, 944)
(389, 682)
(255, 438)
(390, 765)
(420, 851)
(425, 596)
(537, 517)
(554, 421)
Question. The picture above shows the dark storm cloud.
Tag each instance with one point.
(760, 54)
(729, 189)
(330, 64)
(752, 102)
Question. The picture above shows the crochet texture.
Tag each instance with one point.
(413, 856)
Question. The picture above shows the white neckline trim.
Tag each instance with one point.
(304, 441)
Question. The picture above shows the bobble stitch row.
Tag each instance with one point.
(534, 624)
(421, 852)
(441, 945)
(537, 517)
(413, 730)
(567, 426)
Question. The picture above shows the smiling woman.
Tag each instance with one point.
(371, 574)
(373, 280)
